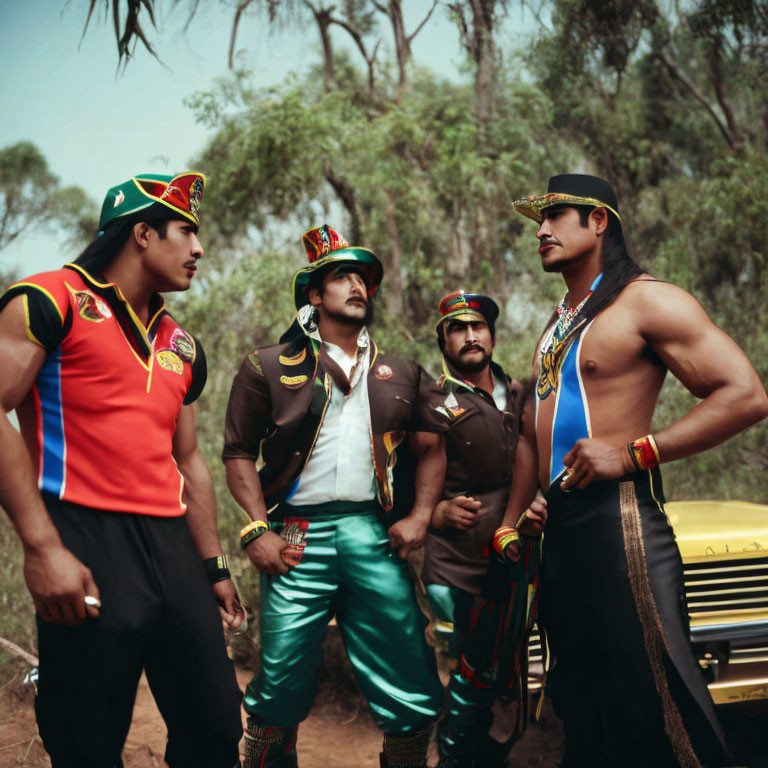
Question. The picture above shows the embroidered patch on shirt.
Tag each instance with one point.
(183, 345)
(293, 382)
(384, 372)
(451, 413)
(169, 360)
(91, 307)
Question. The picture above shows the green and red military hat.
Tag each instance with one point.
(327, 248)
(181, 194)
(571, 189)
(467, 307)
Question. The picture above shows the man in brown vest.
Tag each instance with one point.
(481, 600)
(327, 410)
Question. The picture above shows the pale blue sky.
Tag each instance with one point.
(96, 129)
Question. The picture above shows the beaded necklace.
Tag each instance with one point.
(554, 347)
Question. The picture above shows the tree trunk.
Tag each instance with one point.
(346, 195)
(395, 285)
(457, 263)
(402, 45)
(323, 19)
(483, 51)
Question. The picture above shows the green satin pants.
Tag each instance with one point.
(349, 569)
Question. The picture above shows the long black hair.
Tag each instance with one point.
(103, 249)
(619, 268)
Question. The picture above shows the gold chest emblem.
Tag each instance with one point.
(169, 360)
(295, 360)
(293, 382)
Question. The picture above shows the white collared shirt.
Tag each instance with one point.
(340, 467)
(500, 393)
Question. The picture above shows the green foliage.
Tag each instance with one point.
(31, 197)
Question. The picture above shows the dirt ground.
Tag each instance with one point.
(332, 736)
(339, 732)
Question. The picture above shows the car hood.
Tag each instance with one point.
(720, 529)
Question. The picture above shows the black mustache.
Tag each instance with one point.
(467, 347)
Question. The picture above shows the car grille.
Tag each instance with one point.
(738, 586)
(535, 661)
(535, 653)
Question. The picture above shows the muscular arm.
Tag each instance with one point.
(429, 449)
(245, 487)
(707, 362)
(57, 580)
(201, 508)
(266, 552)
(198, 485)
(248, 414)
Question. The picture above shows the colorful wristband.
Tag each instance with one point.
(644, 453)
(503, 537)
(252, 531)
(217, 569)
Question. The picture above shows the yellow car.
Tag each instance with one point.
(724, 546)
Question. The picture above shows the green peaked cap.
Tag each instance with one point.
(326, 247)
(181, 193)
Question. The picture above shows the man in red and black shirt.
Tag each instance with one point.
(103, 381)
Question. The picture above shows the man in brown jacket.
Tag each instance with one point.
(484, 603)
(327, 412)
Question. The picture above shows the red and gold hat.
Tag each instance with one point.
(181, 194)
(467, 307)
(326, 247)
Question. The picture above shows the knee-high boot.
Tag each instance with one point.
(405, 750)
(269, 746)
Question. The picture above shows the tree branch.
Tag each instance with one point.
(715, 64)
(664, 56)
(423, 22)
(20, 652)
(354, 33)
(241, 7)
(346, 195)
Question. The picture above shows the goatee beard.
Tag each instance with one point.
(463, 367)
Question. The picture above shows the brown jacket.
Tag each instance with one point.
(278, 400)
(480, 443)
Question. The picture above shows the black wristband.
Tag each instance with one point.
(633, 457)
(217, 569)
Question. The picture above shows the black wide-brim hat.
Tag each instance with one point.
(571, 189)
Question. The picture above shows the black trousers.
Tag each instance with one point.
(624, 681)
(158, 614)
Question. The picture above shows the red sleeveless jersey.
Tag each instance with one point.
(102, 413)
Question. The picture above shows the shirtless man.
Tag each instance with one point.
(624, 682)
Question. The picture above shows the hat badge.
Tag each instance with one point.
(195, 193)
(119, 198)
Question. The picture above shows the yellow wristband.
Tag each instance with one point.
(253, 526)
(503, 537)
(252, 531)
